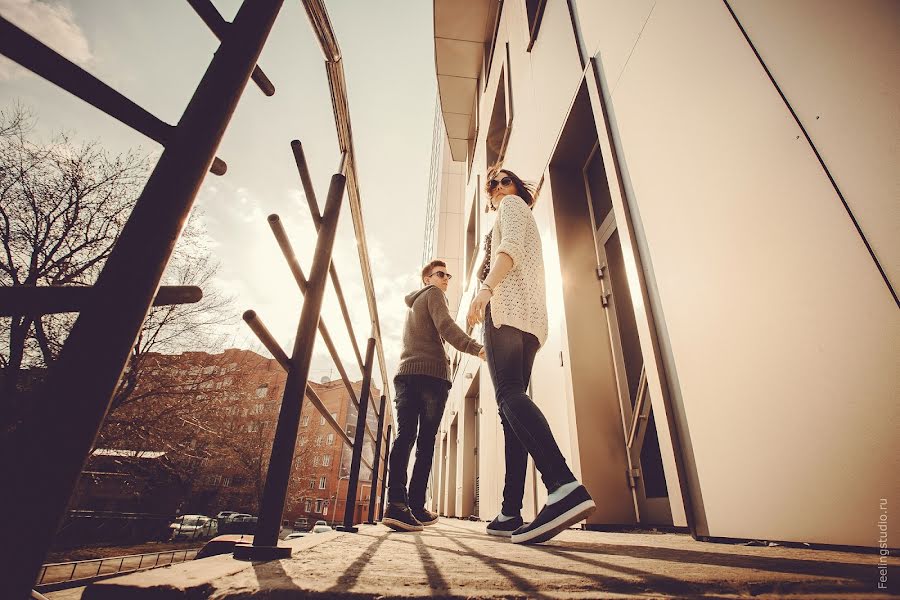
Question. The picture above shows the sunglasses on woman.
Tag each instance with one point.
(495, 182)
(442, 275)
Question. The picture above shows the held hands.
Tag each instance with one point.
(482, 355)
(476, 309)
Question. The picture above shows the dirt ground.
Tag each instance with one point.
(456, 559)
(87, 553)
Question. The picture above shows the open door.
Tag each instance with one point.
(645, 469)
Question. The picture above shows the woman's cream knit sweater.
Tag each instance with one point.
(520, 300)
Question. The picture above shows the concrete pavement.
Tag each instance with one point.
(455, 559)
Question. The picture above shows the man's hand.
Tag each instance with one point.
(476, 309)
(482, 355)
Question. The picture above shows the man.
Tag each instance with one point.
(421, 386)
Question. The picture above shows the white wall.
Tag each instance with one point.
(780, 330)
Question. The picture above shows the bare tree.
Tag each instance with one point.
(62, 206)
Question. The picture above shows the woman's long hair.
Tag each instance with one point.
(524, 190)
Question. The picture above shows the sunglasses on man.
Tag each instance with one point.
(442, 275)
(493, 183)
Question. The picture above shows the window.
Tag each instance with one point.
(472, 234)
(318, 440)
(334, 416)
(534, 10)
(488, 54)
(262, 391)
(322, 483)
(303, 441)
(208, 370)
(253, 426)
(321, 419)
(307, 505)
(304, 421)
(312, 485)
(316, 461)
(325, 508)
(330, 439)
(500, 123)
(326, 460)
(258, 409)
(319, 505)
(298, 462)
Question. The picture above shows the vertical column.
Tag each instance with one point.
(384, 472)
(266, 538)
(359, 441)
(376, 464)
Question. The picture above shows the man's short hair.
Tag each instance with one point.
(426, 270)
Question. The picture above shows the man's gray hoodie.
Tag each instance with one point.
(427, 322)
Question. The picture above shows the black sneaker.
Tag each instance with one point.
(424, 516)
(399, 518)
(504, 528)
(555, 518)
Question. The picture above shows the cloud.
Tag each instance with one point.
(50, 22)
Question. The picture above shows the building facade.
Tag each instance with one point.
(217, 414)
(718, 211)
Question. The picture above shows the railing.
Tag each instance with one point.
(41, 464)
(54, 576)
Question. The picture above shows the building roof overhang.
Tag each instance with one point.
(462, 31)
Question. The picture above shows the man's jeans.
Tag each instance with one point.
(420, 401)
(510, 357)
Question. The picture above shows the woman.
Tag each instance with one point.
(512, 304)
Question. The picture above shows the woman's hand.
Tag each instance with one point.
(476, 309)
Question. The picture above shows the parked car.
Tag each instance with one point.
(223, 544)
(321, 527)
(240, 524)
(193, 527)
(296, 534)
(224, 515)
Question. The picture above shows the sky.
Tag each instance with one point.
(155, 53)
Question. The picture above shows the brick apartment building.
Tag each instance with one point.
(226, 408)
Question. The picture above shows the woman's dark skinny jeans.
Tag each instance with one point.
(510, 357)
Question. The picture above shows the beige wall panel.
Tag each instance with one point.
(451, 243)
(490, 453)
(556, 73)
(782, 331)
(838, 64)
(454, 290)
(610, 29)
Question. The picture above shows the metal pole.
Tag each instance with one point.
(310, 193)
(17, 45)
(272, 507)
(40, 464)
(384, 471)
(51, 299)
(350, 508)
(377, 463)
(219, 26)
